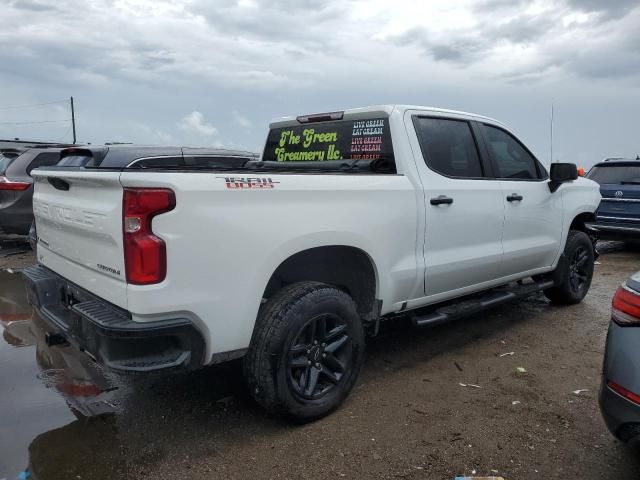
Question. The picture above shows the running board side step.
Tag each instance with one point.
(477, 304)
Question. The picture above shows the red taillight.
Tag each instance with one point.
(145, 254)
(6, 184)
(624, 392)
(626, 307)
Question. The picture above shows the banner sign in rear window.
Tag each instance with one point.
(366, 140)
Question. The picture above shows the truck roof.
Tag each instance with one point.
(386, 110)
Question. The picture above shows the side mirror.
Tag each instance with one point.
(561, 173)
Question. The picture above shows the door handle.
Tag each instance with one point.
(514, 197)
(441, 200)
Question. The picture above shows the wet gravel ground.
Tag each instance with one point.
(61, 417)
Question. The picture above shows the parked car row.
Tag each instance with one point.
(16, 182)
(116, 222)
(160, 261)
(16, 188)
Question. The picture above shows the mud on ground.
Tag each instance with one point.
(408, 417)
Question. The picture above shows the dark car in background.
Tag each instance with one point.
(620, 390)
(16, 185)
(16, 188)
(618, 217)
(4, 162)
(139, 157)
(11, 152)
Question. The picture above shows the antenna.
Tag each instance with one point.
(73, 121)
(551, 131)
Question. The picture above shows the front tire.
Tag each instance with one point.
(306, 351)
(574, 272)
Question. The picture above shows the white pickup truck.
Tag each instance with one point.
(347, 219)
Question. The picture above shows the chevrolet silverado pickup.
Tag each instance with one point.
(289, 260)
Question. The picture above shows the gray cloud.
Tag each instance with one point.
(554, 41)
(308, 24)
(610, 8)
(136, 69)
(33, 5)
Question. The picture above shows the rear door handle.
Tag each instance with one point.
(514, 197)
(441, 200)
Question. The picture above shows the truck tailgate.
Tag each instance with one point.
(79, 225)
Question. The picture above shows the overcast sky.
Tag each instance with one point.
(214, 72)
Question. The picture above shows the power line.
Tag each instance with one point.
(32, 123)
(64, 137)
(33, 105)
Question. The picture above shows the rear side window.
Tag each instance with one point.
(203, 162)
(43, 160)
(159, 162)
(215, 161)
(510, 158)
(344, 145)
(75, 161)
(448, 147)
(616, 174)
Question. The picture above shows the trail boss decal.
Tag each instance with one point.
(249, 182)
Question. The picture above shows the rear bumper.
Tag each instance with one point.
(622, 366)
(616, 231)
(107, 333)
(16, 212)
(621, 416)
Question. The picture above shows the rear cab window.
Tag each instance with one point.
(617, 174)
(339, 146)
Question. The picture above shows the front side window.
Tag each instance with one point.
(448, 147)
(510, 158)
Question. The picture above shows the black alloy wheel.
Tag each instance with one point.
(578, 272)
(319, 356)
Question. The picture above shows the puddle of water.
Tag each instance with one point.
(63, 417)
(47, 392)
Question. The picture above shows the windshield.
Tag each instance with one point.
(4, 163)
(616, 174)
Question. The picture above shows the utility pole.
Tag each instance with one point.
(73, 121)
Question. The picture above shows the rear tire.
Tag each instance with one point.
(306, 351)
(574, 272)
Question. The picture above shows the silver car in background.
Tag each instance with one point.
(620, 390)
